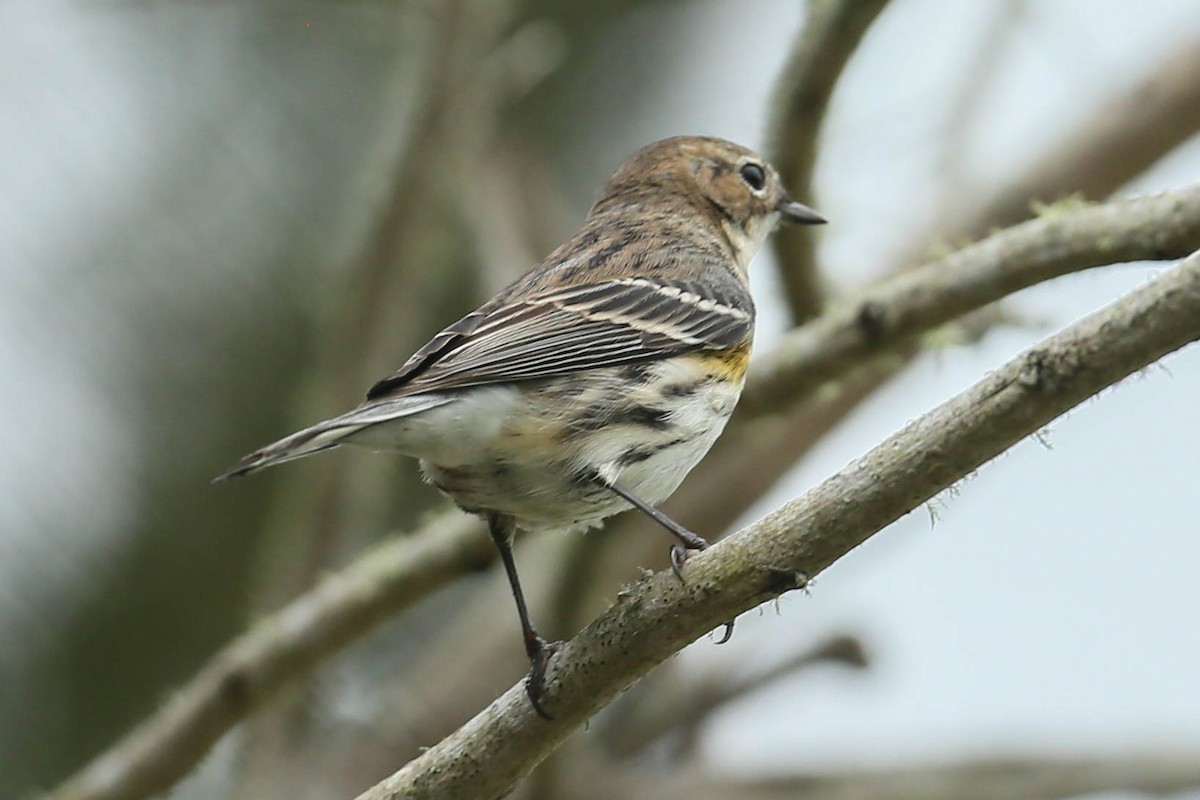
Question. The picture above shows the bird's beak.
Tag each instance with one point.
(798, 213)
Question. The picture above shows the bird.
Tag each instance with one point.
(596, 381)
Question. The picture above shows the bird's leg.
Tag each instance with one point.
(538, 649)
(687, 539)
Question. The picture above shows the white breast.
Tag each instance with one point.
(696, 424)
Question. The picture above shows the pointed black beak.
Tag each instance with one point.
(799, 214)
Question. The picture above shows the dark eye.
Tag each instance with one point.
(754, 176)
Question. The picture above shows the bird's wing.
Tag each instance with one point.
(573, 328)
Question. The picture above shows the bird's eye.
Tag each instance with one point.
(754, 176)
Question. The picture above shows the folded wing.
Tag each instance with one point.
(573, 328)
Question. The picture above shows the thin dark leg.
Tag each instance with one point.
(687, 539)
(538, 649)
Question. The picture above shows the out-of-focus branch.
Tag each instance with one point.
(680, 708)
(831, 34)
(283, 646)
(894, 312)
(1009, 779)
(1107, 149)
(428, 145)
(657, 616)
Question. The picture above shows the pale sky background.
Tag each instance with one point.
(1052, 608)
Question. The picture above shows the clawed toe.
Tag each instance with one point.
(678, 556)
(535, 683)
(680, 551)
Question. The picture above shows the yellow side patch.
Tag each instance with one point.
(729, 364)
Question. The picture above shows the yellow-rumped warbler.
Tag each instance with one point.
(597, 380)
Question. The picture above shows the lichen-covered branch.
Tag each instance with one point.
(657, 616)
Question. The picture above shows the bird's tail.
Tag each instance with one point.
(332, 432)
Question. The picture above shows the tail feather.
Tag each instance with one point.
(302, 443)
(330, 433)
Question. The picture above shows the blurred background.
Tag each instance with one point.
(221, 221)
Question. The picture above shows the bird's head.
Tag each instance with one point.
(718, 182)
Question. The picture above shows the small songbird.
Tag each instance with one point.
(596, 381)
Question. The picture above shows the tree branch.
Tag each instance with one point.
(680, 708)
(286, 645)
(657, 616)
(830, 36)
(896, 311)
